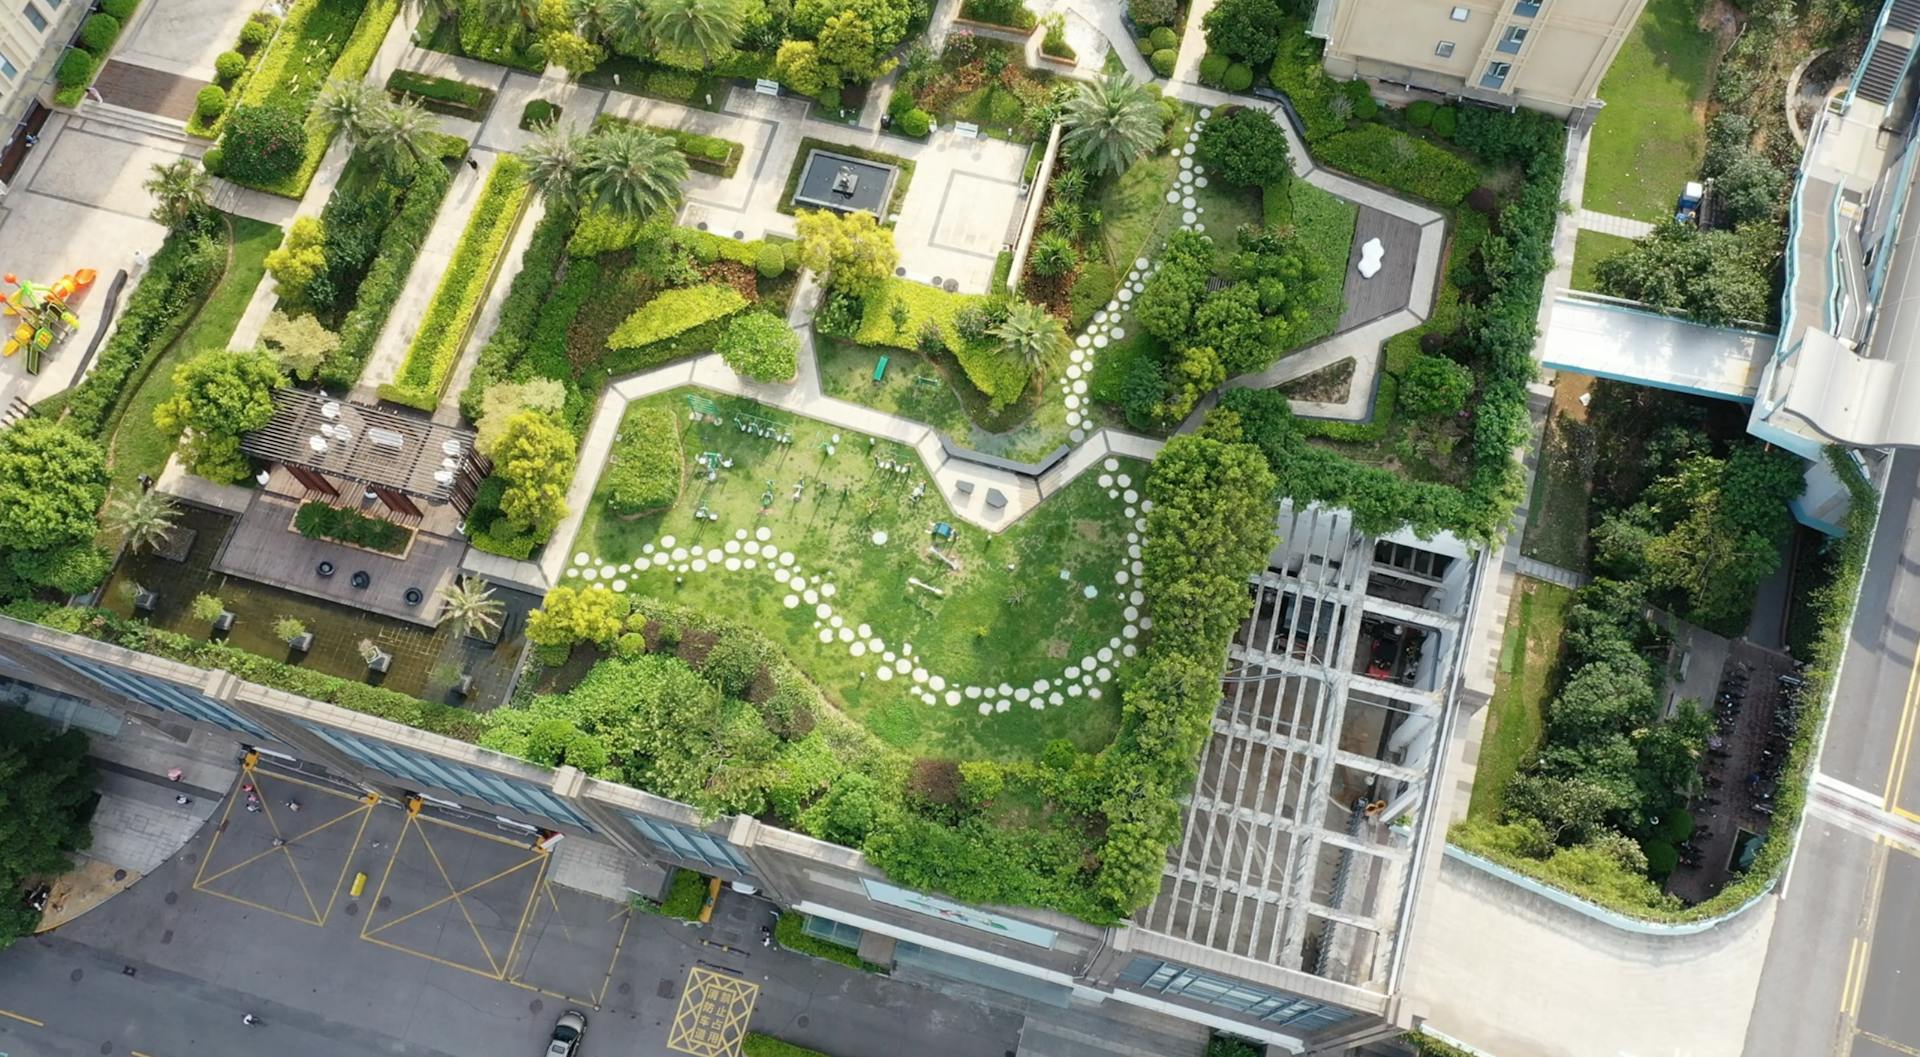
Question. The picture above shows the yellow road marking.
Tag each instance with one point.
(1882, 1040)
(10, 1015)
(1853, 968)
(607, 980)
(137, 1053)
(526, 914)
(1903, 738)
(495, 837)
(454, 892)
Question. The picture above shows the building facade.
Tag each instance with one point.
(33, 33)
(1285, 906)
(1546, 55)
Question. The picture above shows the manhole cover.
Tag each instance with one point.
(166, 937)
(76, 975)
(353, 909)
(536, 1006)
(172, 898)
(385, 902)
(119, 875)
(106, 1047)
(665, 990)
(804, 1020)
(626, 988)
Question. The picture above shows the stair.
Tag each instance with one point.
(117, 122)
(1890, 53)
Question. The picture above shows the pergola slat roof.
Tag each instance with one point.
(366, 445)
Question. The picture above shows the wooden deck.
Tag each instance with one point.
(263, 547)
(1392, 286)
(148, 91)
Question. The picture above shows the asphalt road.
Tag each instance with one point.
(456, 952)
(1845, 953)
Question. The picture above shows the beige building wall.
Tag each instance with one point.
(28, 52)
(1547, 56)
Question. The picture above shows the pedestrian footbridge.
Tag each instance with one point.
(1607, 338)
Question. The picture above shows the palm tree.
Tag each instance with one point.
(350, 106)
(525, 12)
(589, 18)
(146, 519)
(625, 24)
(179, 191)
(441, 10)
(1031, 334)
(554, 160)
(631, 172)
(399, 134)
(1111, 123)
(706, 26)
(468, 604)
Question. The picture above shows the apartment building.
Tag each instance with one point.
(1285, 907)
(1546, 55)
(33, 33)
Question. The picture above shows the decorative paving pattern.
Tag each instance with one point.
(756, 552)
(1107, 325)
(711, 1019)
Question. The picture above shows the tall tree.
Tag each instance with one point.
(706, 26)
(46, 802)
(52, 480)
(535, 457)
(852, 250)
(145, 519)
(400, 135)
(217, 396)
(625, 24)
(179, 190)
(631, 172)
(350, 106)
(1111, 123)
(556, 160)
(469, 605)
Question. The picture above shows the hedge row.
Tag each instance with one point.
(501, 359)
(643, 476)
(79, 65)
(444, 329)
(178, 280)
(673, 312)
(441, 95)
(250, 48)
(314, 46)
(706, 153)
(399, 246)
(1394, 159)
(771, 259)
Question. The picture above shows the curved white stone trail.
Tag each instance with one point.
(756, 553)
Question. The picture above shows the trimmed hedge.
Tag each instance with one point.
(502, 357)
(790, 932)
(758, 254)
(441, 95)
(374, 301)
(98, 33)
(320, 521)
(643, 476)
(247, 49)
(709, 154)
(444, 329)
(538, 112)
(1394, 159)
(673, 312)
(178, 279)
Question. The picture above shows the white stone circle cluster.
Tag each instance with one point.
(753, 552)
(1108, 324)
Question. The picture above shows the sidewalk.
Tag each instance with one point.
(1609, 224)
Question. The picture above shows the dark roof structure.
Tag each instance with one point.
(366, 445)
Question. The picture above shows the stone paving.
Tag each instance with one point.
(182, 37)
(1609, 224)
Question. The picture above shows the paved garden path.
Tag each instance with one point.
(1609, 224)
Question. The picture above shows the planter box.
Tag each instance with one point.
(302, 644)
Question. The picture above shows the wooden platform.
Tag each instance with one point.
(148, 91)
(263, 548)
(1391, 287)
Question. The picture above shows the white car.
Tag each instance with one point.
(567, 1033)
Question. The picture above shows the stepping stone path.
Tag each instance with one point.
(1081, 679)
(1107, 325)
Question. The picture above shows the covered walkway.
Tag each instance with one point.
(1612, 339)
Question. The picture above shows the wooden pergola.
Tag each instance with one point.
(402, 460)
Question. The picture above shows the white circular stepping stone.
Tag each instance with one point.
(1080, 388)
(1120, 577)
(1105, 655)
(1138, 568)
(769, 551)
(1022, 694)
(1037, 704)
(1125, 294)
(1073, 370)
(1125, 480)
(1130, 631)
(1129, 650)
(903, 666)
(590, 574)
(714, 556)
(1093, 692)
(1105, 675)
(619, 585)
(699, 565)
(782, 575)
(667, 541)
(986, 708)
(1119, 332)
(733, 565)
(823, 610)
(786, 558)
(883, 674)
(936, 683)
(1073, 670)
(763, 533)
(890, 656)
(828, 590)
(865, 631)
(739, 534)
(953, 698)
(846, 635)
(750, 563)
(1189, 217)
(1002, 706)
(875, 644)
(582, 558)
(879, 537)
(838, 621)
(1056, 699)
(973, 692)
(826, 634)
(791, 601)
(678, 554)
(1091, 592)
(1099, 341)
(641, 565)
(813, 596)
(1105, 480)
(571, 573)
(1200, 181)
(1076, 690)
(732, 547)
(1072, 401)
(1173, 197)
(858, 649)
(1137, 598)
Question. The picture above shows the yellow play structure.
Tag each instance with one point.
(43, 313)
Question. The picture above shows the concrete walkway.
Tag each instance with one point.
(1553, 574)
(1610, 224)
(1193, 44)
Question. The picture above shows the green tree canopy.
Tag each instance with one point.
(1111, 123)
(217, 396)
(1716, 277)
(852, 250)
(46, 802)
(535, 457)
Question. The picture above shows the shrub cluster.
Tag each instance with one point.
(643, 475)
(444, 328)
(1394, 159)
(674, 311)
(374, 300)
(79, 64)
(441, 95)
(320, 521)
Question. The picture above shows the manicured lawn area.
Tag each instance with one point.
(1589, 249)
(1557, 518)
(137, 447)
(1006, 614)
(1514, 717)
(1649, 140)
(1323, 223)
(1137, 216)
(913, 387)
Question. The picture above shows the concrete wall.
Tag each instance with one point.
(1569, 45)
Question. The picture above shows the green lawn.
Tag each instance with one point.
(137, 447)
(1527, 657)
(913, 387)
(1557, 519)
(1136, 215)
(1589, 249)
(1007, 614)
(1649, 140)
(1323, 222)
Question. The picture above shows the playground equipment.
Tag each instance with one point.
(43, 313)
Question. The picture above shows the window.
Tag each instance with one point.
(55, 4)
(7, 68)
(34, 16)
(1444, 49)
(1274, 1007)
(690, 844)
(1514, 37)
(1528, 8)
(1459, 14)
(1496, 74)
